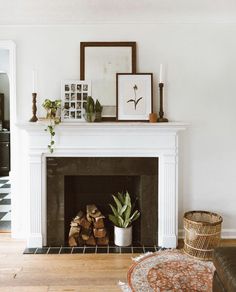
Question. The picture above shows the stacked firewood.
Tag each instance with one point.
(88, 228)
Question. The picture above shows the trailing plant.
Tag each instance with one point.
(123, 214)
(51, 107)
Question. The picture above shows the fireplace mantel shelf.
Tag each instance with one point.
(38, 126)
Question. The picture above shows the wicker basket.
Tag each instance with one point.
(202, 233)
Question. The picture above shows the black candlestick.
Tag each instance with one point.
(161, 118)
(34, 108)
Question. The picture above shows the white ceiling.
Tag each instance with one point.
(90, 11)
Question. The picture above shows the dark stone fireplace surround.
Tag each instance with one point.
(73, 182)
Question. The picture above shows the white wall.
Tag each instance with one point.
(200, 89)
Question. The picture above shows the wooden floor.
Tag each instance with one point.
(41, 273)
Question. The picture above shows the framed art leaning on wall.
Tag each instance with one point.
(74, 94)
(99, 62)
(134, 94)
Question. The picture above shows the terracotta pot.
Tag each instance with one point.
(153, 117)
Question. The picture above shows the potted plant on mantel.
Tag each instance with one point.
(122, 219)
(93, 111)
(52, 106)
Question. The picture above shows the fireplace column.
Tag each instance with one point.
(168, 200)
(35, 202)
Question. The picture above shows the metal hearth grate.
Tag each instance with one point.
(111, 249)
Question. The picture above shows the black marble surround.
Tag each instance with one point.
(74, 182)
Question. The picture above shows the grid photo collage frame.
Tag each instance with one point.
(74, 96)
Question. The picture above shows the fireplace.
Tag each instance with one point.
(74, 182)
(105, 140)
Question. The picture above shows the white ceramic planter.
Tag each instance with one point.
(123, 236)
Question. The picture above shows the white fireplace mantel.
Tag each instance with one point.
(110, 139)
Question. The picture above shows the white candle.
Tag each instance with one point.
(161, 74)
(34, 85)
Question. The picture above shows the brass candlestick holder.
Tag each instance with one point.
(34, 108)
(161, 118)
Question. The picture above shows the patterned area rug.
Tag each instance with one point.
(169, 270)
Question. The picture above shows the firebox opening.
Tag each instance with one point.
(74, 182)
(84, 190)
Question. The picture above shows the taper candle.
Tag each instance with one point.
(34, 85)
(161, 74)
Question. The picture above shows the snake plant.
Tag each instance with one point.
(123, 214)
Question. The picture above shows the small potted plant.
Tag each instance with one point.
(93, 111)
(89, 110)
(98, 110)
(122, 218)
(52, 106)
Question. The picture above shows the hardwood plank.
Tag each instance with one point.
(62, 273)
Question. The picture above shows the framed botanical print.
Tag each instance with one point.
(74, 94)
(134, 93)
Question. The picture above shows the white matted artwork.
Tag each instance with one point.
(134, 96)
(74, 94)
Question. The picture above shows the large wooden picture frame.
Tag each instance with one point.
(99, 62)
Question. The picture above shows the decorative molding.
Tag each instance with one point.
(84, 23)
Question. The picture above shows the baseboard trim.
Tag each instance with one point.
(226, 233)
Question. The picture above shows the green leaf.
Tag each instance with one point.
(123, 209)
(121, 221)
(114, 210)
(135, 216)
(118, 204)
(114, 220)
(127, 213)
(127, 199)
(127, 223)
(121, 197)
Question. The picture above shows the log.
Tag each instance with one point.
(99, 222)
(74, 224)
(91, 241)
(99, 232)
(78, 217)
(103, 241)
(80, 241)
(92, 211)
(88, 228)
(72, 242)
(84, 223)
(85, 233)
(73, 235)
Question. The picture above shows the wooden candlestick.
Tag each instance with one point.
(161, 118)
(34, 108)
